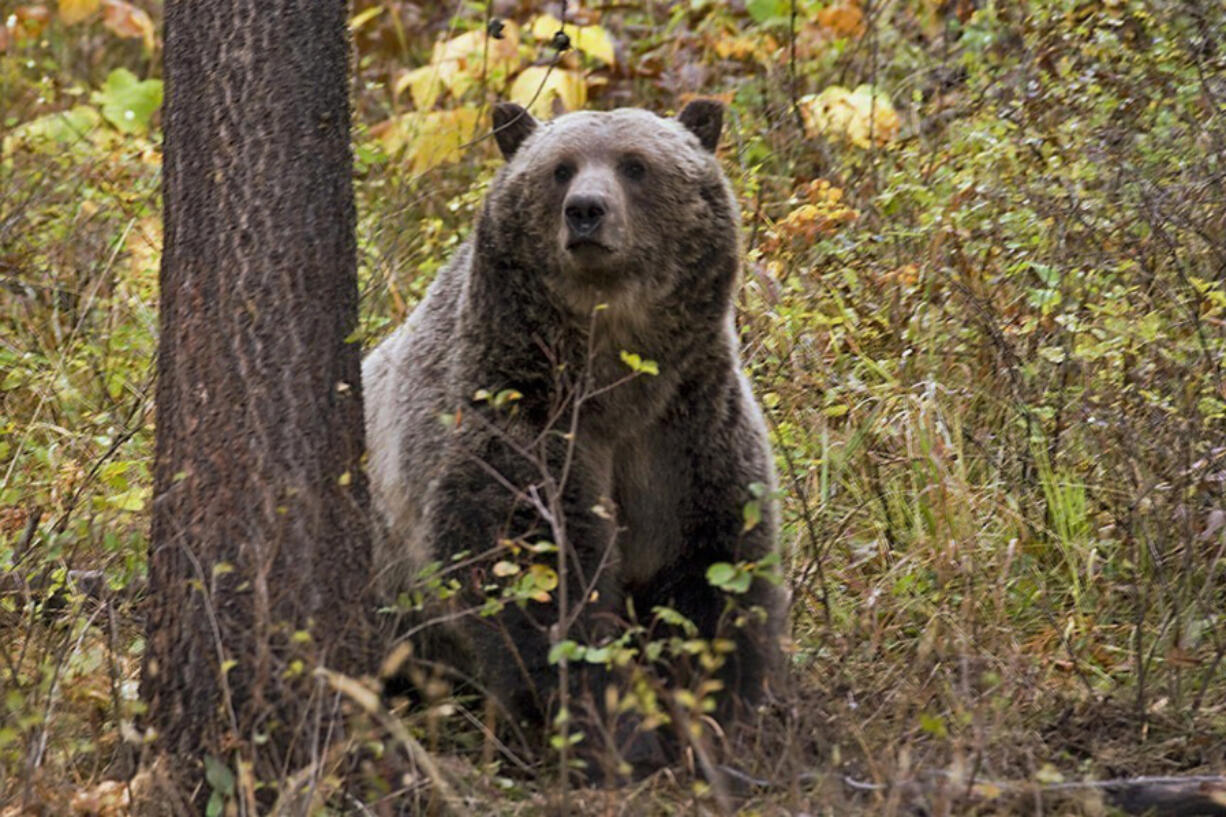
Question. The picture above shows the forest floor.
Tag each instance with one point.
(984, 308)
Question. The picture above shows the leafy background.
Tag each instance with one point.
(984, 307)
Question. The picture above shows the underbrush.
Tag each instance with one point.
(988, 334)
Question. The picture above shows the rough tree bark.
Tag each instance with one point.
(260, 504)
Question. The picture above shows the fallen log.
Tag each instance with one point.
(935, 793)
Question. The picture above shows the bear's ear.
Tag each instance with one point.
(512, 125)
(704, 118)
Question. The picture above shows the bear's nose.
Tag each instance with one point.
(583, 214)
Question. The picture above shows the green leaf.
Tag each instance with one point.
(219, 776)
(729, 578)
(506, 396)
(638, 364)
(63, 129)
(720, 573)
(132, 500)
(127, 102)
(670, 616)
(558, 741)
(568, 649)
(752, 514)
(1053, 354)
(598, 655)
(768, 11)
(933, 725)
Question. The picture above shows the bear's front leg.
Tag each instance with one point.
(750, 619)
(719, 463)
(528, 523)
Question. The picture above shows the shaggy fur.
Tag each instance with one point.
(660, 468)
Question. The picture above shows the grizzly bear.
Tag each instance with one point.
(570, 386)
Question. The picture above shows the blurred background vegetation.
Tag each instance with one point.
(984, 306)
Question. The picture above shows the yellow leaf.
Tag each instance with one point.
(363, 17)
(842, 19)
(457, 63)
(426, 83)
(1048, 774)
(126, 20)
(537, 87)
(596, 42)
(428, 138)
(823, 214)
(473, 47)
(544, 26)
(504, 568)
(544, 577)
(459, 48)
(593, 40)
(74, 11)
(751, 46)
(858, 116)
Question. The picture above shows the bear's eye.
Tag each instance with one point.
(633, 168)
(563, 173)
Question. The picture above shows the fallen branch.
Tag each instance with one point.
(1193, 796)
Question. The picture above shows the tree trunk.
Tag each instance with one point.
(260, 548)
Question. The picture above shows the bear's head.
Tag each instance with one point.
(603, 205)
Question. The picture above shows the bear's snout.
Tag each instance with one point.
(584, 213)
(592, 217)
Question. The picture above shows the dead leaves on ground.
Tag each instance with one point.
(821, 213)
